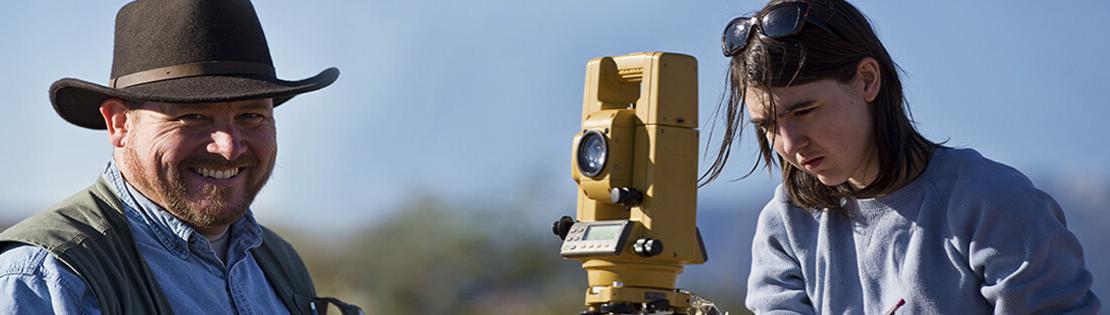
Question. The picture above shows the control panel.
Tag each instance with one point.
(598, 238)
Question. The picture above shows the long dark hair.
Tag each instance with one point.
(812, 55)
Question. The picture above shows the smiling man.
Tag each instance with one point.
(167, 228)
(203, 162)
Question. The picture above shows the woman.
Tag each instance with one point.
(871, 217)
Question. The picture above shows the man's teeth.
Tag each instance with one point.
(218, 174)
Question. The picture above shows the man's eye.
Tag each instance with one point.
(252, 117)
(191, 117)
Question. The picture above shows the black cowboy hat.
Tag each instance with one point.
(184, 51)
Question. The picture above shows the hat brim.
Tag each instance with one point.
(78, 101)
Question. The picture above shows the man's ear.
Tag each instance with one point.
(869, 78)
(114, 112)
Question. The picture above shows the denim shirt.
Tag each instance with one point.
(183, 263)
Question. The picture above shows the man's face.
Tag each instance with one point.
(204, 163)
(822, 127)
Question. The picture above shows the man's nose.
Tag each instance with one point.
(227, 143)
(793, 138)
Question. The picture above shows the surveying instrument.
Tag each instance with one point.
(635, 162)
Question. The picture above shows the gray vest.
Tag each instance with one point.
(89, 233)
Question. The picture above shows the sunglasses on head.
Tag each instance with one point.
(778, 21)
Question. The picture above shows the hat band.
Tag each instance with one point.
(191, 70)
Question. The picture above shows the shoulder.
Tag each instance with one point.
(985, 192)
(21, 259)
(967, 171)
(773, 213)
(35, 280)
(34, 262)
(781, 205)
(780, 216)
(970, 181)
(63, 225)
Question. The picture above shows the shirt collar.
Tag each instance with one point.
(167, 229)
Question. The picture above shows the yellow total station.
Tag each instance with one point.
(635, 162)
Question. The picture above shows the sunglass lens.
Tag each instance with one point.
(782, 21)
(736, 36)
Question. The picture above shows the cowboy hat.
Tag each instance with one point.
(183, 51)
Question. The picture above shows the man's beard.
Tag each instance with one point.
(212, 205)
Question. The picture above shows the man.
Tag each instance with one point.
(167, 226)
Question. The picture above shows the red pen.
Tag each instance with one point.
(896, 306)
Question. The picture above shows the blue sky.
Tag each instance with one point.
(476, 101)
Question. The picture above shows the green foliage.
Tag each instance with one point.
(433, 258)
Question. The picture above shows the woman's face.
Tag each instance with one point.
(823, 128)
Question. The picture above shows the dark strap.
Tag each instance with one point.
(320, 306)
(278, 260)
(191, 70)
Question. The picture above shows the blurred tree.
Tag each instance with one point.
(434, 258)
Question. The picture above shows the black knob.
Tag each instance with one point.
(628, 197)
(647, 247)
(562, 227)
(659, 305)
(619, 308)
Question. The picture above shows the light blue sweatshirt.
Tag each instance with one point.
(968, 236)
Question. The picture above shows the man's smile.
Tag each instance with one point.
(217, 173)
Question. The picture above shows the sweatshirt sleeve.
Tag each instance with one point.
(1019, 244)
(775, 284)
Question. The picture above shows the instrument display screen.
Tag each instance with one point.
(603, 232)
